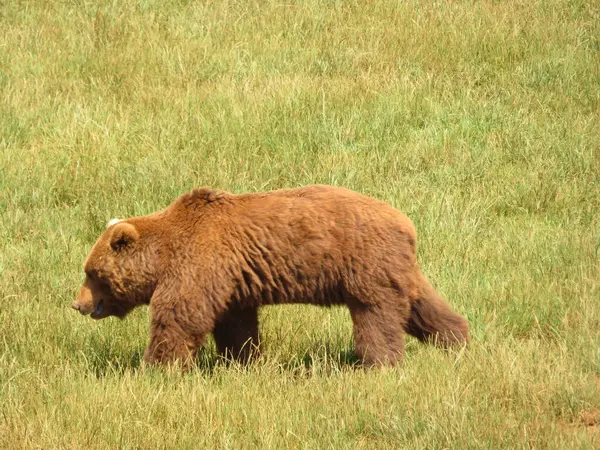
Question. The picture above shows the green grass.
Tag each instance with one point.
(480, 120)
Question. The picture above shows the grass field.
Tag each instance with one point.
(479, 119)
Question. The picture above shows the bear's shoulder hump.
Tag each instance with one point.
(201, 196)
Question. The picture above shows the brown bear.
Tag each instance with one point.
(207, 262)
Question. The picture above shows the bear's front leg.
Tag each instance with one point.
(174, 338)
(178, 325)
(170, 345)
(236, 334)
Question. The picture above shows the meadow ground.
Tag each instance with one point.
(479, 119)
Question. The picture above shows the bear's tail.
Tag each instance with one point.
(432, 320)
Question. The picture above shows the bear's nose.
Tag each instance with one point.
(75, 305)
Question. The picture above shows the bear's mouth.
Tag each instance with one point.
(97, 311)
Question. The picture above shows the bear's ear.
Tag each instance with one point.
(123, 235)
(112, 222)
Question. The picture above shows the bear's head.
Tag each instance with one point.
(119, 272)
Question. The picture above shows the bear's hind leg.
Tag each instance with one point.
(236, 334)
(379, 331)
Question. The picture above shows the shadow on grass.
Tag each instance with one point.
(104, 363)
(328, 359)
(323, 358)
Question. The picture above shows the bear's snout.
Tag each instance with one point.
(84, 303)
(82, 308)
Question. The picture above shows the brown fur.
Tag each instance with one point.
(207, 262)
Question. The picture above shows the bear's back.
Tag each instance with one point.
(316, 203)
